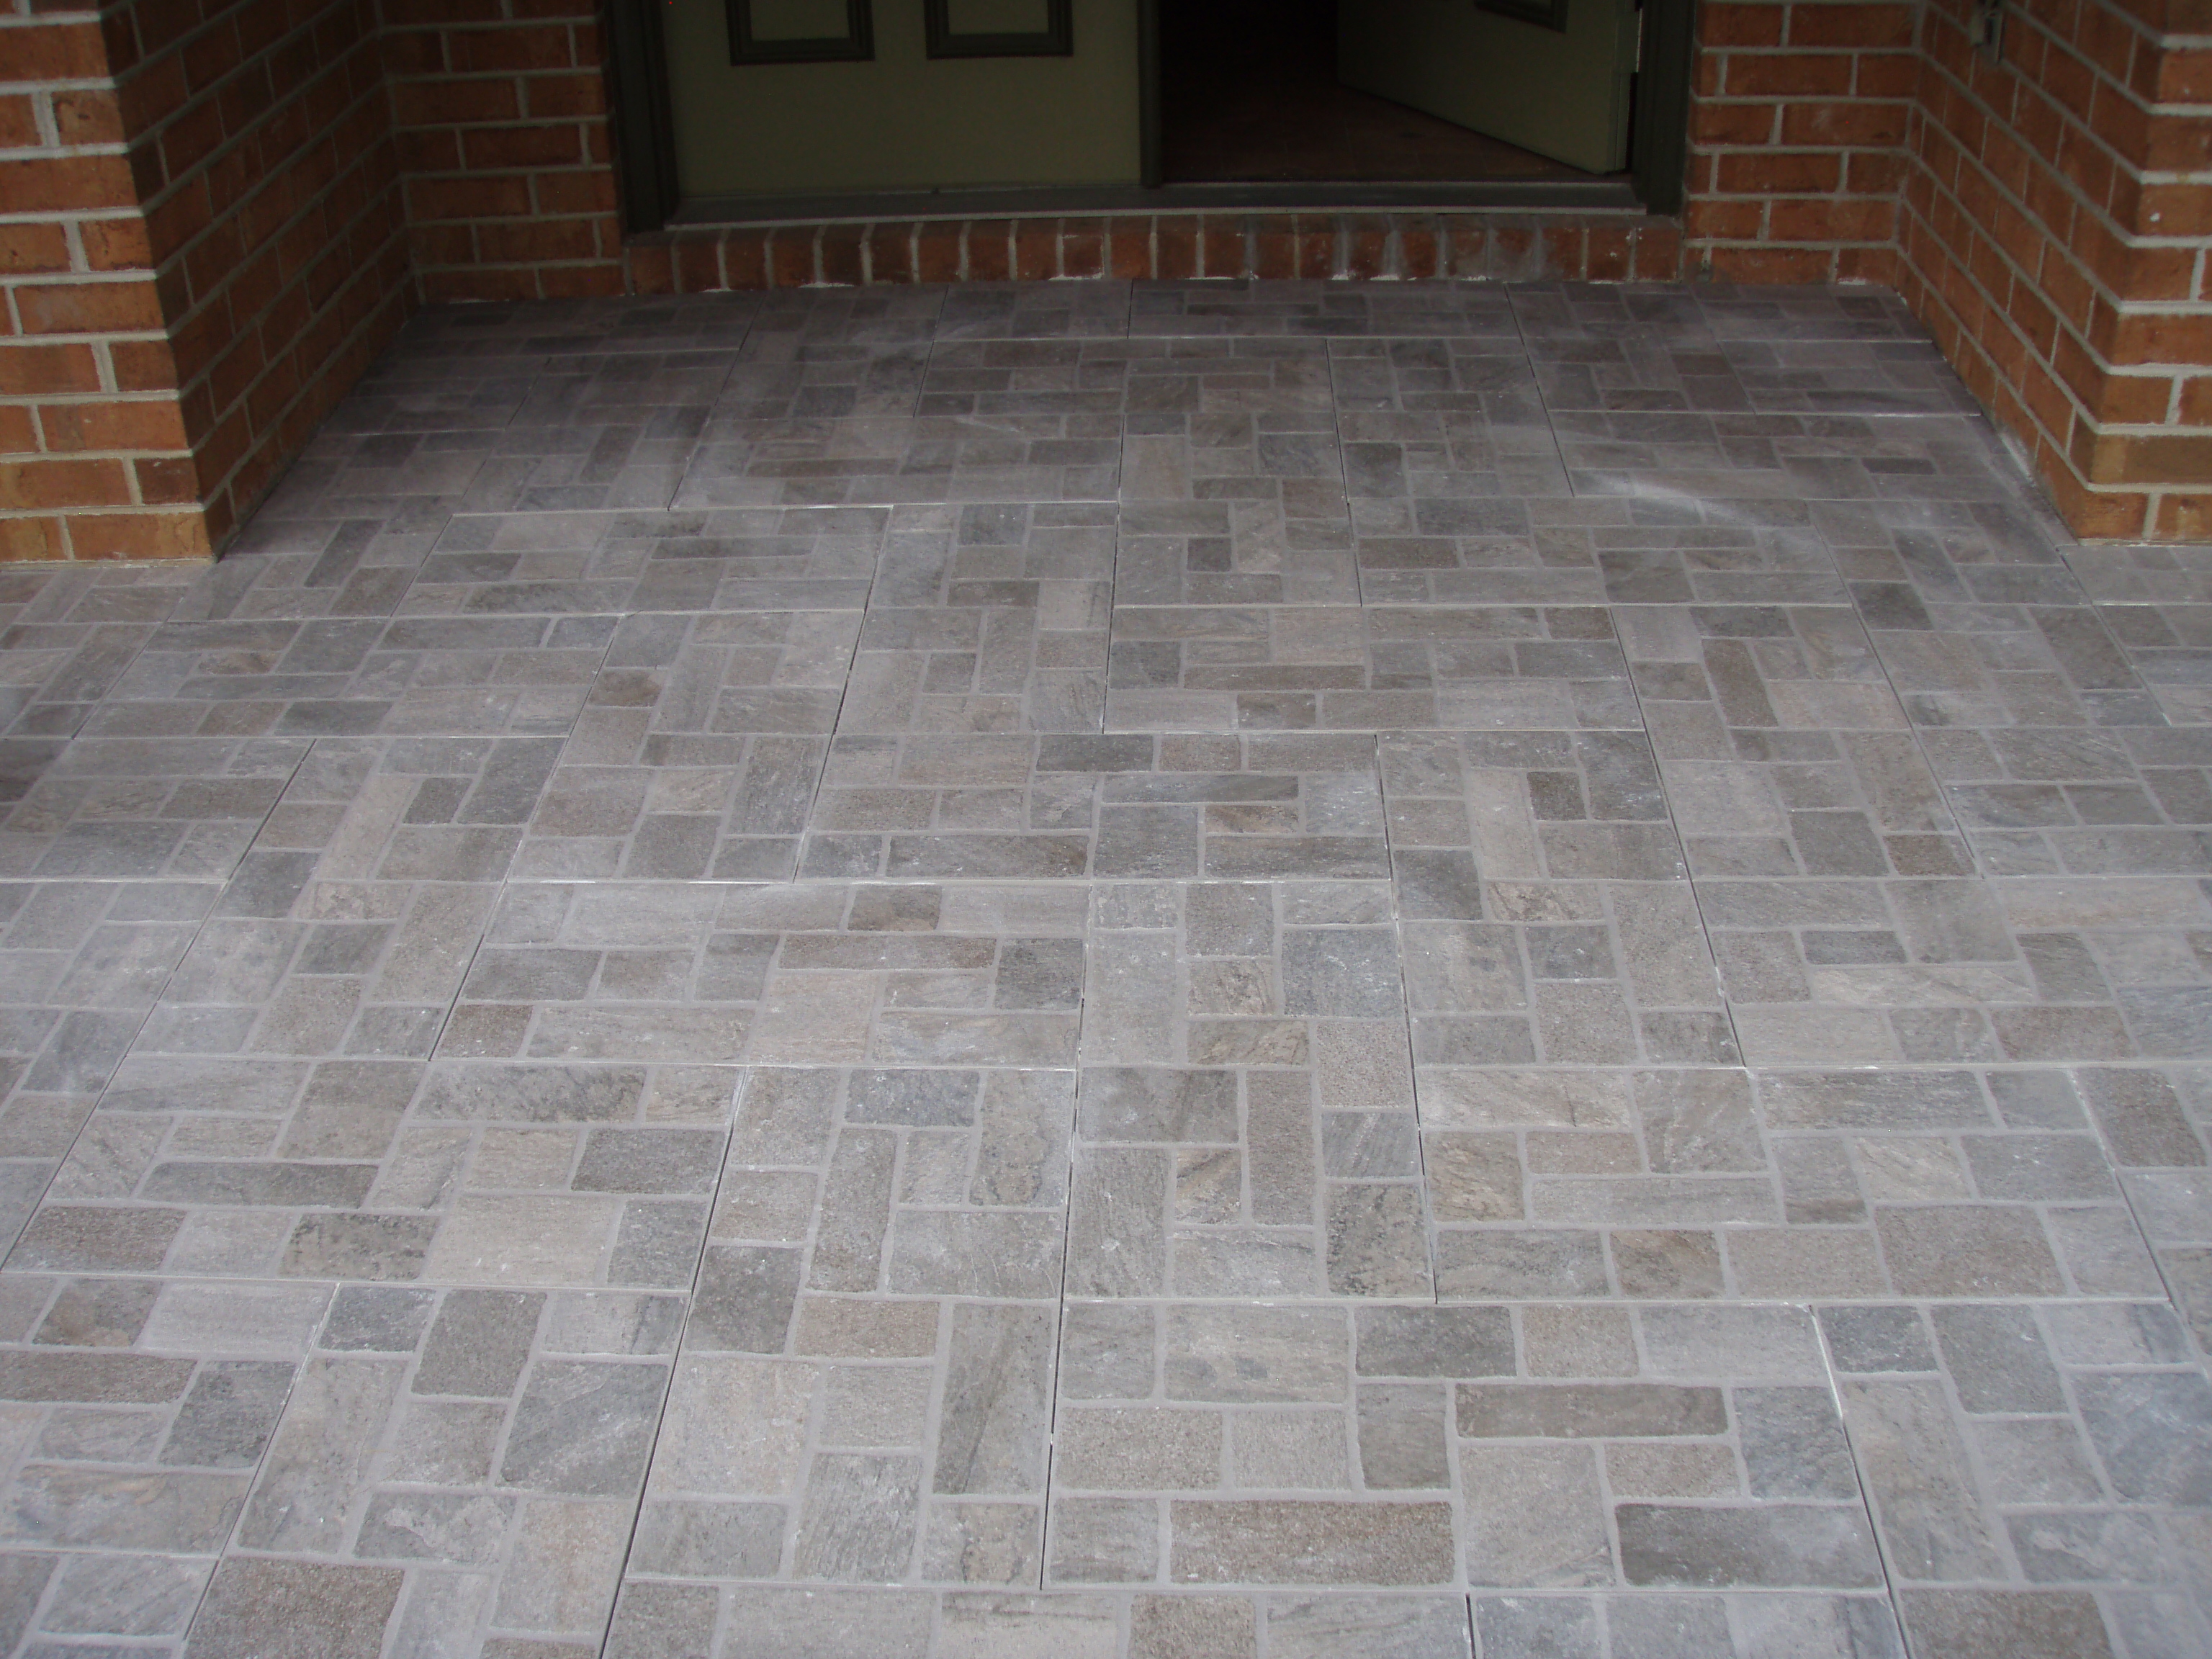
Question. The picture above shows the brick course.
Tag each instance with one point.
(499, 108)
(1351, 246)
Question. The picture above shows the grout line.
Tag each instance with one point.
(1858, 1478)
(690, 1295)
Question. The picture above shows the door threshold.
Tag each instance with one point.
(1612, 194)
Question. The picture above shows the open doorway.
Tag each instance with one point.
(1249, 92)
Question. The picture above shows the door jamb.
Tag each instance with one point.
(1151, 169)
(644, 132)
(1659, 135)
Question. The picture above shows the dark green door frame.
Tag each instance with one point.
(1150, 167)
(644, 130)
(645, 142)
(1659, 129)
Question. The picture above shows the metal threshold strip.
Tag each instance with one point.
(1612, 193)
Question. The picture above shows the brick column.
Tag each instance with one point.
(1798, 119)
(500, 111)
(199, 212)
(95, 461)
(2056, 221)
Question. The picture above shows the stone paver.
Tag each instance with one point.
(1246, 970)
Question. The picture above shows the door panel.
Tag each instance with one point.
(999, 102)
(1560, 91)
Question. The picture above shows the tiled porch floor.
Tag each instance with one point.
(1215, 970)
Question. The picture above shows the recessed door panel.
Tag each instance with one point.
(1550, 76)
(950, 95)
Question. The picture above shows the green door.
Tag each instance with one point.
(835, 96)
(1550, 76)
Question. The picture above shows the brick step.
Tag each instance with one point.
(1622, 246)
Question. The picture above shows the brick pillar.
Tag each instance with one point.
(1798, 119)
(201, 248)
(93, 456)
(2056, 222)
(500, 111)
(263, 150)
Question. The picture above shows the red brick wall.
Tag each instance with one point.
(261, 147)
(93, 461)
(2055, 214)
(199, 211)
(1796, 128)
(499, 109)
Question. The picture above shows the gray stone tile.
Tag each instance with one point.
(856, 954)
(1123, 804)
(891, 460)
(296, 1607)
(1180, 1187)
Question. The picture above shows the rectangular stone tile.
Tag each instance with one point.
(80, 964)
(897, 1511)
(979, 1195)
(786, 376)
(1279, 1541)
(1403, 1626)
(137, 1414)
(1315, 309)
(1247, 547)
(1782, 1545)
(68, 643)
(1117, 805)
(699, 750)
(762, 558)
(1527, 807)
(130, 805)
(382, 1169)
(812, 974)
(344, 676)
(1220, 667)
(888, 461)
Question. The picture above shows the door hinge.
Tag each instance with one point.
(1986, 29)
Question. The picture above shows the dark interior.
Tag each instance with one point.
(1248, 92)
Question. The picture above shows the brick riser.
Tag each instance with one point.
(1623, 246)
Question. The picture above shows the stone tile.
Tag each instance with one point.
(1284, 1540)
(296, 1607)
(501, 1435)
(1244, 1124)
(985, 618)
(1214, 668)
(868, 459)
(1119, 806)
(1114, 969)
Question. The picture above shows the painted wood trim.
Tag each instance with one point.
(1545, 14)
(1659, 139)
(1056, 40)
(856, 45)
(1152, 164)
(644, 127)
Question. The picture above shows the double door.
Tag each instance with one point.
(833, 97)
